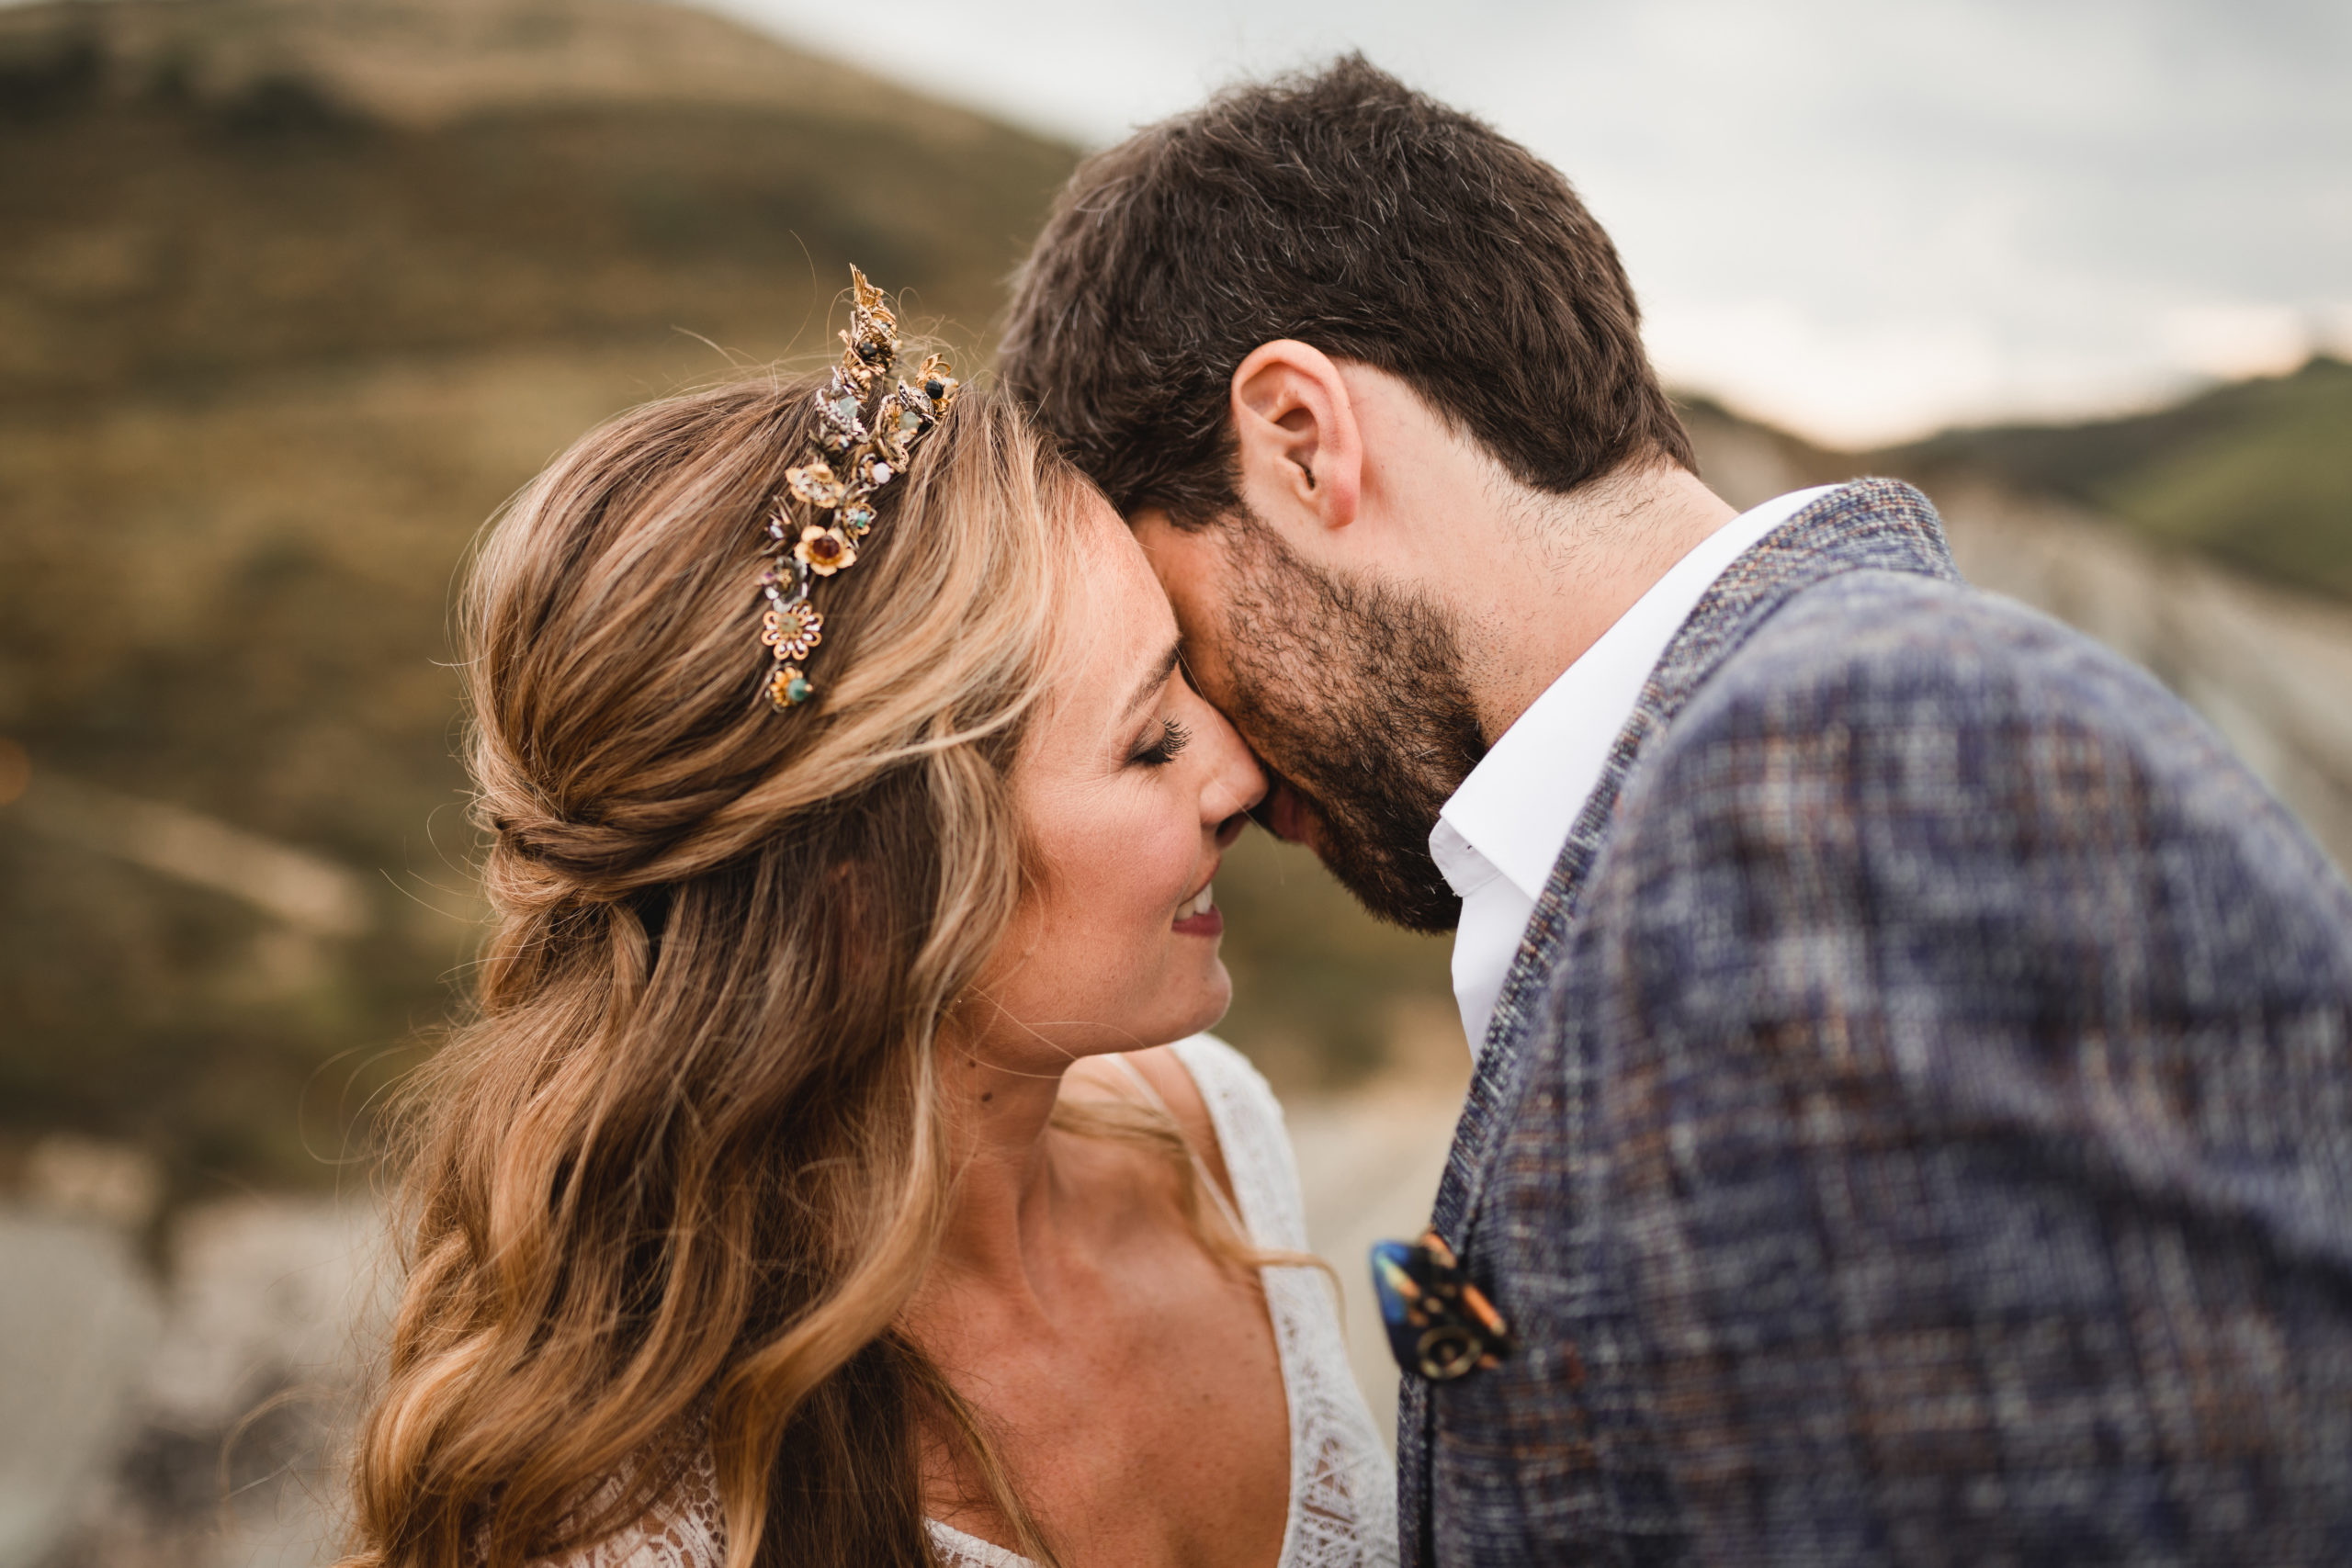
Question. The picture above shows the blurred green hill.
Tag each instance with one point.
(203, 189)
(292, 294)
(2256, 473)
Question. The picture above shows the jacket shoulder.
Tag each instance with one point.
(1952, 686)
(1936, 770)
(1880, 632)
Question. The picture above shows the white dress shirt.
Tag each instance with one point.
(1497, 837)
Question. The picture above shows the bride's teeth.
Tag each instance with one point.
(1206, 901)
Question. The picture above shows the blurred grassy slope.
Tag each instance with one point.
(2255, 473)
(184, 205)
(292, 294)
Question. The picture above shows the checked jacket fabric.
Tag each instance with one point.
(1918, 1126)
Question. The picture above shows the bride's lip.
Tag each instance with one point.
(1193, 921)
(1209, 924)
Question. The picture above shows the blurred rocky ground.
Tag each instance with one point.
(176, 1397)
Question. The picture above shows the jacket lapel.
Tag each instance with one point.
(1871, 524)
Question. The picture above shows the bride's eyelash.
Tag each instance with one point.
(1173, 737)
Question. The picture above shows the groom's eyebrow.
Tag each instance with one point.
(1153, 682)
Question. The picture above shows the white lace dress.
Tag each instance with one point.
(1342, 1484)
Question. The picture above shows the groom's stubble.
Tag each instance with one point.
(1355, 693)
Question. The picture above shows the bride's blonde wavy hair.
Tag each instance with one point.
(684, 1165)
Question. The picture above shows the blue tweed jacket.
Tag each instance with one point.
(1917, 1128)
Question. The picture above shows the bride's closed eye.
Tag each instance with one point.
(1172, 738)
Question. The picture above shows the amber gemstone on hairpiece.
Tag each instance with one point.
(824, 550)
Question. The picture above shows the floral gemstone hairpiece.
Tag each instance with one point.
(828, 506)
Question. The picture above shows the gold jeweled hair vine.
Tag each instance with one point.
(830, 498)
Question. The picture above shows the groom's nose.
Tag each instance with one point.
(1284, 813)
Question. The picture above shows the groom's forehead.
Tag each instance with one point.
(1192, 564)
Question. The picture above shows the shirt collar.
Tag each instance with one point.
(1512, 815)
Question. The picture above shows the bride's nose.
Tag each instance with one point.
(1236, 782)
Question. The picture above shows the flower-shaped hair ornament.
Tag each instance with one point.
(814, 483)
(933, 380)
(793, 630)
(841, 423)
(825, 551)
(828, 496)
(788, 687)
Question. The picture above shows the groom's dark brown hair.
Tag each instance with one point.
(1350, 212)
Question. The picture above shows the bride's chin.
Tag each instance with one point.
(1217, 996)
(1198, 1006)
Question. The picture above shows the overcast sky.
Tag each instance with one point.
(1862, 219)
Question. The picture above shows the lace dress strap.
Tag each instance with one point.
(1342, 1483)
(1209, 1183)
(1252, 1138)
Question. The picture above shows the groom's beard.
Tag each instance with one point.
(1353, 692)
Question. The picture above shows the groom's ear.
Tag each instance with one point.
(1301, 450)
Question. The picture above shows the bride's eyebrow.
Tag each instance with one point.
(1163, 668)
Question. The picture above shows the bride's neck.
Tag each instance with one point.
(1006, 1201)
